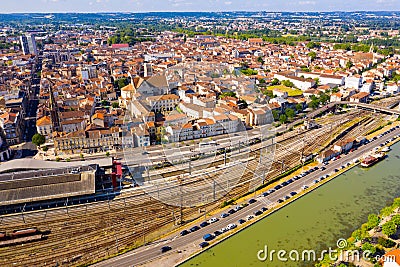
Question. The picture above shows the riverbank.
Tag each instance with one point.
(376, 237)
(358, 172)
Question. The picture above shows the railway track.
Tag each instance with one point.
(81, 234)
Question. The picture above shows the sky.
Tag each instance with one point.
(52, 6)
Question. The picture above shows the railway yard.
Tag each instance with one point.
(87, 232)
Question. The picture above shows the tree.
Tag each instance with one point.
(275, 114)
(289, 113)
(312, 55)
(396, 220)
(107, 154)
(287, 83)
(368, 246)
(335, 89)
(283, 118)
(313, 104)
(115, 105)
(305, 68)
(349, 64)
(373, 221)
(357, 234)
(389, 228)
(260, 59)
(323, 98)
(122, 82)
(230, 94)
(275, 81)
(38, 139)
(299, 107)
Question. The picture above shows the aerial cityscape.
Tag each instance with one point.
(210, 133)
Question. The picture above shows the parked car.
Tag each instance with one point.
(231, 211)
(258, 212)
(217, 233)
(208, 237)
(241, 221)
(249, 217)
(251, 201)
(213, 220)
(231, 226)
(194, 229)
(204, 224)
(203, 244)
(184, 232)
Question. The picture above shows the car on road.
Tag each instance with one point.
(278, 187)
(285, 183)
(204, 224)
(287, 197)
(194, 229)
(280, 200)
(203, 244)
(293, 193)
(184, 232)
(304, 187)
(243, 205)
(322, 168)
(265, 194)
(213, 220)
(251, 201)
(316, 181)
(241, 221)
(263, 209)
(224, 215)
(165, 249)
(208, 237)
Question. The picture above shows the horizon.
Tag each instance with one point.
(140, 6)
(198, 11)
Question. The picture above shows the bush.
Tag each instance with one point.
(387, 243)
(45, 148)
(389, 228)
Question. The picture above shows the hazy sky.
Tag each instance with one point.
(8, 6)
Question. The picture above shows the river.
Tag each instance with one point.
(315, 221)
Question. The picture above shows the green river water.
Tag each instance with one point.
(315, 221)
